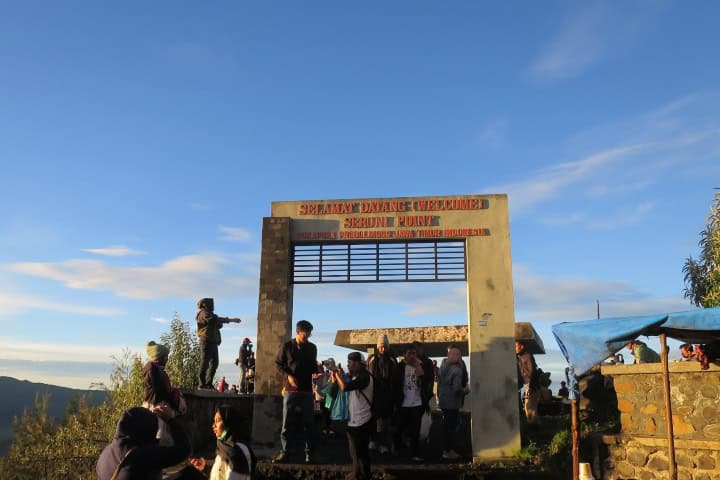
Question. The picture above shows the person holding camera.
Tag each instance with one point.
(243, 361)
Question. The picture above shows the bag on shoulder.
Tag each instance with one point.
(339, 408)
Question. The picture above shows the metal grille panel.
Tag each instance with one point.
(379, 262)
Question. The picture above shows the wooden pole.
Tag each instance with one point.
(668, 407)
(575, 429)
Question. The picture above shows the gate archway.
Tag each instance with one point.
(408, 239)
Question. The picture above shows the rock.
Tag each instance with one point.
(709, 391)
(658, 463)
(649, 409)
(712, 430)
(625, 405)
(706, 462)
(650, 426)
(622, 387)
(683, 460)
(637, 457)
(709, 413)
(680, 427)
(625, 469)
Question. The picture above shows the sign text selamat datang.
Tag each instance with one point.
(391, 206)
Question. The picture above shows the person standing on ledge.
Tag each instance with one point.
(208, 329)
(297, 361)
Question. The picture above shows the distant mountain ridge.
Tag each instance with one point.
(19, 395)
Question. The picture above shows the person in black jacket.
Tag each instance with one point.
(134, 452)
(383, 367)
(297, 361)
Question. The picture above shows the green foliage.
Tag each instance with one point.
(184, 361)
(548, 443)
(702, 276)
(68, 449)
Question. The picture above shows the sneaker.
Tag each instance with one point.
(372, 446)
(417, 459)
(279, 458)
(450, 455)
(383, 449)
(308, 458)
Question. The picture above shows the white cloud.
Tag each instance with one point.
(592, 34)
(162, 320)
(627, 216)
(233, 234)
(549, 182)
(114, 251)
(537, 297)
(15, 349)
(16, 303)
(675, 139)
(190, 276)
(560, 220)
(559, 298)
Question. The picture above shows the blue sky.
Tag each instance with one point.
(141, 145)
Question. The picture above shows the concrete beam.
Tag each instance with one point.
(435, 340)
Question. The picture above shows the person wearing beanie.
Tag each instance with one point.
(382, 366)
(157, 390)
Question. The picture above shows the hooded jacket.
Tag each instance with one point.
(135, 443)
(208, 326)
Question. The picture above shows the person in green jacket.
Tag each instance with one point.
(643, 353)
(208, 330)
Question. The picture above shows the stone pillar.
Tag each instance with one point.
(274, 328)
(491, 340)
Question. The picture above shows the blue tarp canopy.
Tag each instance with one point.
(589, 342)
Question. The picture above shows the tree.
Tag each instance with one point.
(702, 276)
(184, 361)
(68, 448)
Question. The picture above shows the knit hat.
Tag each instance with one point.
(156, 351)
(383, 340)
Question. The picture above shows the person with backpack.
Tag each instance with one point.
(382, 366)
(360, 423)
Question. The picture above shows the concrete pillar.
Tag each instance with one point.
(491, 340)
(274, 328)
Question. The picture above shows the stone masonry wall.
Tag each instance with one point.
(647, 459)
(695, 400)
(641, 451)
